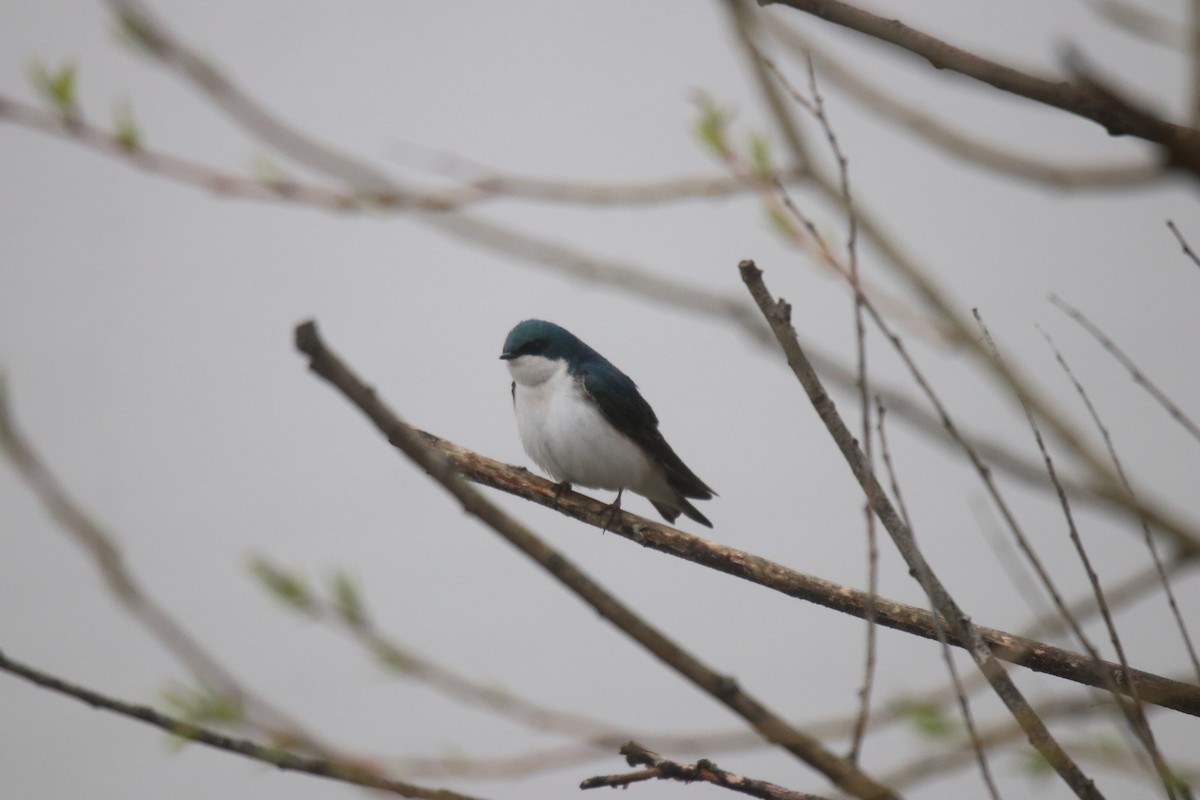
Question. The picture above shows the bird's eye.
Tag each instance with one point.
(534, 346)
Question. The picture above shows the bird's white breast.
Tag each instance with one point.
(567, 436)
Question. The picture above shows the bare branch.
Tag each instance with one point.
(722, 688)
(952, 141)
(1035, 655)
(633, 279)
(1181, 144)
(1160, 569)
(1105, 486)
(958, 753)
(778, 315)
(406, 661)
(1183, 243)
(1139, 22)
(356, 774)
(124, 587)
(1135, 713)
(1135, 372)
(1193, 47)
(487, 182)
(956, 682)
(704, 770)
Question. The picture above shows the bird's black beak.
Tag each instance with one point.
(507, 356)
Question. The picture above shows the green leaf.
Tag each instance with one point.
(760, 156)
(928, 719)
(348, 601)
(267, 170)
(1035, 765)
(394, 659)
(1178, 776)
(127, 134)
(289, 588)
(781, 223)
(712, 126)
(57, 87)
(132, 32)
(203, 706)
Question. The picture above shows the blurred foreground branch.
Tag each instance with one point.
(276, 756)
(1089, 99)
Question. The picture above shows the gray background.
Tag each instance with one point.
(145, 334)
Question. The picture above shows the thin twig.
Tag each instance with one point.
(722, 688)
(406, 661)
(1105, 484)
(1135, 372)
(1135, 713)
(1193, 49)
(1160, 569)
(948, 140)
(356, 774)
(817, 109)
(125, 589)
(947, 755)
(1137, 21)
(778, 315)
(1183, 243)
(633, 279)
(485, 182)
(660, 768)
(956, 682)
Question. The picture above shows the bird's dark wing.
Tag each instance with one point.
(619, 400)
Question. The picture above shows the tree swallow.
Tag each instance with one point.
(583, 421)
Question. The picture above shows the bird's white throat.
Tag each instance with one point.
(535, 370)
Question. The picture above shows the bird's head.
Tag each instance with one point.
(534, 349)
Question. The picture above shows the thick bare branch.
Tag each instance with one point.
(1180, 144)
(722, 688)
(1035, 655)
(952, 141)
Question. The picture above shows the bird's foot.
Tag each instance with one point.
(559, 488)
(613, 509)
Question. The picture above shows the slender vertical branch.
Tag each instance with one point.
(778, 315)
(1135, 713)
(1151, 546)
(956, 681)
(1128, 363)
(1183, 243)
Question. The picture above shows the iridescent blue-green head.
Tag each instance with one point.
(536, 337)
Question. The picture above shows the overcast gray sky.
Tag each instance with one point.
(145, 336)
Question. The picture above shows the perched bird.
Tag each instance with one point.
(584, 422)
